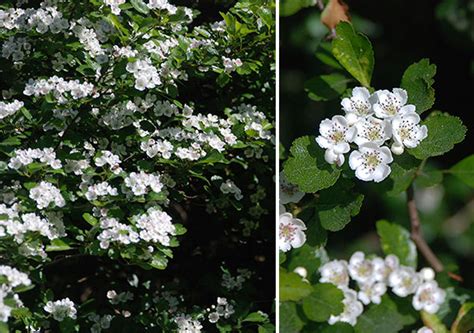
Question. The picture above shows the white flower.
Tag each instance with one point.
(359, 105)
(46, 193)
(186, 324)
(361, 269)
(425, 329)
(427, 274)
(61, 309)
(391, 104)
(372, 130)
(335, 272)
(139, 183)
(7, 109)
(335, 135)
(404, 281)
(372, 293)
(301, 271)
(429, 297)
(352, 309)
(407, 132)
(370, 162)
(384, 267)
(289, 192)
(291, 232)
(229, 187)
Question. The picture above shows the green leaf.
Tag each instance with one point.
(4, 327)
(339, 327)
(403, 173)
(432, 321)
(307, 168)
(465, 319)
(464, 170)
(337, 205)
(58, 245)
(292, 287)
(256, 317)
(290, 321)
(417, 81)
(354, 52)
(429, 177)
(444, 131)
(11, 141)
(325, 300)
(396, 240)
(290, 7)
(140, 6)
(383, 317)
(326, 87)
(90, 219)
(305, 256)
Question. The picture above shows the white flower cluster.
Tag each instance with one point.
(235, 282)
(88, 38)
(24, 157)
(373, 277)
(146, 75)
(114, 231)
(16, 48)
(14, 278)
(229, 187)
(223, 309)
(291, 232)
(106, 157)
(61, 309)
(99, 190)
(18, 225)
(186, 324)
(155, 226)
(46, 193)
(41, 19)
(231, 65)
(140, 182)
(99, 323)
(114, 5)
(371, 120)
(163, 5)
(7, 109)
(59, 87)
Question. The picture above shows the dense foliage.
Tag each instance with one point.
(137, 160)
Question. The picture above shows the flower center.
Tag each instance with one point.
(372, 160)
(361, 107)
(391, 105)
(287, 231)
(425, 296)
(338, 136)
(406, 129)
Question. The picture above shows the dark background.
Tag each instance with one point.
(401, 32)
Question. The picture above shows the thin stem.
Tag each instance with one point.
(417, 235)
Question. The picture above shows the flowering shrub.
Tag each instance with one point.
(390, 145)
(134, 138)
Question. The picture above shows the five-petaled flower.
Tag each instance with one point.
(359, 105)
(370, 162)
(335, 136)
(291, 232)
(391, 104)
(407, 132)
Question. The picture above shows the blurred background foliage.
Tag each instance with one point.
(401, 33)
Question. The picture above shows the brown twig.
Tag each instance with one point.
(417, 236)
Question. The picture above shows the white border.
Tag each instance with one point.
(277, 164)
